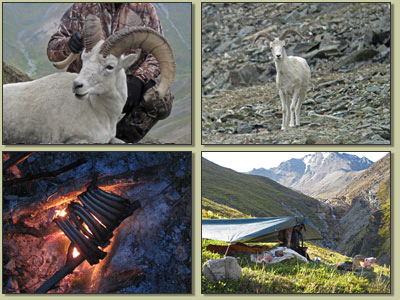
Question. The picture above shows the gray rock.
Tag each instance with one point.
(248, 74)
(357, 56)
(292, 17)
(210, 27)
(244, 128)
(305, 47)
(324, 118)
(330, 83)
(245, 31)
(223, 47)
(234, 78)
(324, 52)
(222, 269)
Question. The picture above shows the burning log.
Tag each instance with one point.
(88, 227)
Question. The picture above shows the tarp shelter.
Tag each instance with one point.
(254, 230)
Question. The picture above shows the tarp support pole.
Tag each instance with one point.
(227, 248)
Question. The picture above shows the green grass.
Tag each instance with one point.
(294, 276)
(384, 229)
(290, 276)
(213, 210)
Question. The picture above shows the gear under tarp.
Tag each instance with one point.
(254, 230)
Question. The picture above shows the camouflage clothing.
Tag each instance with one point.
(136, 122)
(112, 20)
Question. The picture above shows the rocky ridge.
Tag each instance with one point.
(365, 227)
(347, 48)
(318, 175)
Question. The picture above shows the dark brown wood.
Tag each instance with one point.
(47, 174)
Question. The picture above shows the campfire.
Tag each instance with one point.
(118, 232)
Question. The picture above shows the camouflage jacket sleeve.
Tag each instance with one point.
(57, 49)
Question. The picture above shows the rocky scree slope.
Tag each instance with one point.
(347, 48)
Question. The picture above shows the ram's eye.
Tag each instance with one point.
(109, 67)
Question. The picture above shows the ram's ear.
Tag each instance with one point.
(127, 61)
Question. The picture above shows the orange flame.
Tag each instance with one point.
(61, 213)
(87, 228)
(75, 253)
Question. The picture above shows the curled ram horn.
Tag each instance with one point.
(92, 33)
(148, 40)
(265, 34)
(287, 31)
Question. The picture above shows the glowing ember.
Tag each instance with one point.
(87, 228)
(98, 220)
(75, 253)
(61, 213)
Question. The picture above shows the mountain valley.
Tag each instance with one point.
(353, 220)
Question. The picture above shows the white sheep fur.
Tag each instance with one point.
(52, 110)
(85, 107)
(292, 78)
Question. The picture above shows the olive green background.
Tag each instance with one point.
(197, 148)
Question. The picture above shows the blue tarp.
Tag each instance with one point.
(254, 229)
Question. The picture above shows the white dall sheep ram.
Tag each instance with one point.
(292, 77)
(85, 107)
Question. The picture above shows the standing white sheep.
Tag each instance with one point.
(85, 107)
(292, 77)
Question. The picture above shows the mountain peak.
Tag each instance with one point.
(316, 173)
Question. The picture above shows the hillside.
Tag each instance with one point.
(27, 30)
(255, 195)
(177, 127)
(176, 19)
(356, 221)
(13, 75)
(366, 226)
(29, 26)
(318, 175)
(347, 46)
(213, 210)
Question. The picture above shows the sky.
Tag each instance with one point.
(247, 161)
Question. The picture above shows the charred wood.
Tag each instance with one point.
(47, 174)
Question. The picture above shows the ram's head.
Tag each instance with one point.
(102, 59)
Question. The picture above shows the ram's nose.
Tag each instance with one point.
(76, 86)
(278, 56)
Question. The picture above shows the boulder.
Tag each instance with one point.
(222, 269)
